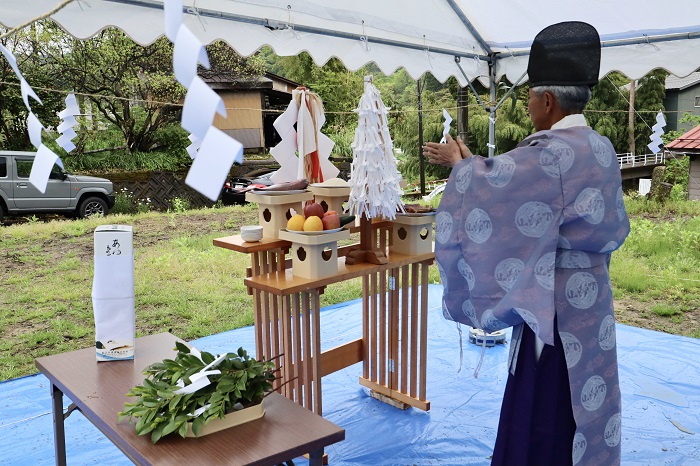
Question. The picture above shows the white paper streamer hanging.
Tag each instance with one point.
(446, 126)
(307, 114)
(66, 126)
(45, 158)
(41, 168)
(194, 147)
(213, 152)
(173, 18)
(201, 103)
(657, 132)
(285, 151)
(213, 162)
(187, 53)
(27, 92)
(34, 127)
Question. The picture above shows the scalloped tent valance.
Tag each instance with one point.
(490, 39)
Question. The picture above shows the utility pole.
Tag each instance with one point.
(463, 114)
(630, 120)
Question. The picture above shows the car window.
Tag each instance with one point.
(3, 167)
(56, 173)
(24, 168)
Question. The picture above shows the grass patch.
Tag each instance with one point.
(184, 284)
(665, 310)
(187, 286)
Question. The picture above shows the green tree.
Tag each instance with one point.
(607, 110)
(25, 46)
(131, 86)
(649, 100)
(512, 121)
(405, 129)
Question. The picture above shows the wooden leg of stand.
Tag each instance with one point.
(368, 251)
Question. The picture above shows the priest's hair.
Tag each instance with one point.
(571, 99)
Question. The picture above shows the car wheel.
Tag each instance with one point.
(92, 206)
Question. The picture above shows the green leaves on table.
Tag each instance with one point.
(160, 411)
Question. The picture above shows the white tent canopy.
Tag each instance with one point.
(468, 39)
(420, 35)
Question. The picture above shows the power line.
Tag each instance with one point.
(406, 111)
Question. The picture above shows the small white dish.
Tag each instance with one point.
(251, 233)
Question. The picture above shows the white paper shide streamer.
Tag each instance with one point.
(65, 140)
(657, 132)
(375, 180)
(285, 151)
(213, 151)
(446, 126)
(306, 111)
(194, 146)
(45, 157)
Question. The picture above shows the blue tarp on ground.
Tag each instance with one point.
(659, 379)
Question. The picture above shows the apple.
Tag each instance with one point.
(313, 210)
(331, 222)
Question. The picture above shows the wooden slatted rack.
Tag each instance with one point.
(393, 346)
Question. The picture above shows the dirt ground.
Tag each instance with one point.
(149, 231)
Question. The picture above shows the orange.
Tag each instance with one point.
(313, 223)
(296, 223)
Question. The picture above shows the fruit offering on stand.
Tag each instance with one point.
(330, 220)
(313, 223)
(314, 219)
(296, 223)
(346, 219)
(313, 209)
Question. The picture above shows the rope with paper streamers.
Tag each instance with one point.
(45, 158)
(327, 112)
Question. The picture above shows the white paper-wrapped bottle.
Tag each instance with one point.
(113, 293)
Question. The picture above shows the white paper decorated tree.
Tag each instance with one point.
(375, 180)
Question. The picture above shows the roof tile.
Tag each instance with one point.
(688, 141)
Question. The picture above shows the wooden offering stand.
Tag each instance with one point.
(331, 198)
(393, 345)
(367, 250)
(275, 210)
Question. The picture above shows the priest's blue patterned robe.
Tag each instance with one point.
(527, 235)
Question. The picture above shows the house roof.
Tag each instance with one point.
(223, 81)
(688, 141)
(676, 83)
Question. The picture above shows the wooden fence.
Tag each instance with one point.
(159, 189)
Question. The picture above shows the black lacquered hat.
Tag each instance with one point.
(565, 54)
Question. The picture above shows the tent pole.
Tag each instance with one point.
(471, 86)
(511, 90)
(492, 108)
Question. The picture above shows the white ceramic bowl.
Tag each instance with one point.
(251, 233)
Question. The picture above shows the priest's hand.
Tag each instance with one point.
(447, 154)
